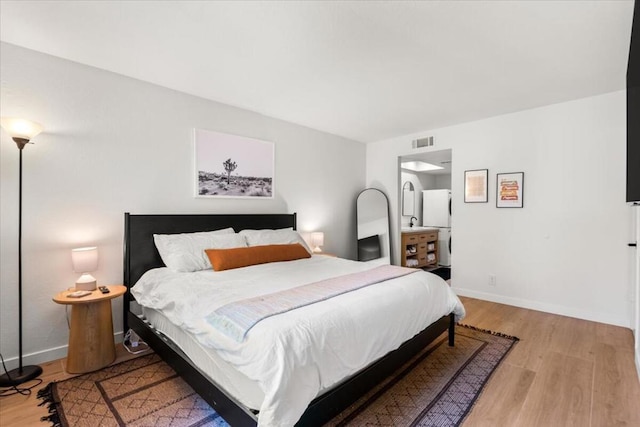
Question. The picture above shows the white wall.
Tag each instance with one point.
(565, 252)
(114, 144)
(443, 182)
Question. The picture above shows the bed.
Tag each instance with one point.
(235, 395)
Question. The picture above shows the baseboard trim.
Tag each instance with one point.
(545, 307)
(47, 355)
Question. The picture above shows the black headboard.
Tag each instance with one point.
(141, 255)
(369, 248)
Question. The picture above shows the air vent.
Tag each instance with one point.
(427, 141)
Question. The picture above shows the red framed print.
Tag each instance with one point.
(510, 190)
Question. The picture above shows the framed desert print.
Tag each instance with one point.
(510, 189)
(232, 166)
(476, 186)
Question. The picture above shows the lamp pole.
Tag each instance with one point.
(23, 373)
(20, 147)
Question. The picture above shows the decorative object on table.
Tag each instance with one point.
(510, 190)
(476, 186)
(21, 131)
(85, 260)
(233, 166)
(317, 240)
(456, 375)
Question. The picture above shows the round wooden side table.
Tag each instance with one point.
(91, 345)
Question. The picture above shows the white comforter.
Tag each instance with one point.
(295, 355)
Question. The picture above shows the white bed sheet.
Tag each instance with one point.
(232, 381)
(295, 355)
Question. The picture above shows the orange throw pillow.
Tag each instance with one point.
(226, 259)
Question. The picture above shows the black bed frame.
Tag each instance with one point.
(140, 255)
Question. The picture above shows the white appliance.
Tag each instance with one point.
(444, 247)
(436, 213)
(436, 208)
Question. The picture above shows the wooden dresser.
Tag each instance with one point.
(420, 248)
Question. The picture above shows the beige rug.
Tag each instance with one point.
(437, 388)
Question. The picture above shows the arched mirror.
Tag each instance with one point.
(372, 211)
(408, 199)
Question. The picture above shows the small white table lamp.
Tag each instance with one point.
(85, 260)
(317, 240)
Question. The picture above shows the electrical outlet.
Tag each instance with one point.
(492, 280)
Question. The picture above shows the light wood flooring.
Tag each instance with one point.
(563, 372)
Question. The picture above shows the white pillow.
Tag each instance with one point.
(185, 252)
(282, 236)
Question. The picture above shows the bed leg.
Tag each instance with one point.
(452, 329)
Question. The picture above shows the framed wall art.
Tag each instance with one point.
(233, 166)
(509, 190)
(476, 186)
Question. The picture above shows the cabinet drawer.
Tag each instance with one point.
(422, 247)
(427, 237)
(409, 239)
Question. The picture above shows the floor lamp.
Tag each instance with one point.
(21, 131)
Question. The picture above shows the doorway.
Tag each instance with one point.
(431, 173)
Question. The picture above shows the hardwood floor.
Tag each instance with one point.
(563, 372)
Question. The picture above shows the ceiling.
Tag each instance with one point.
(442, 158)
(365, 70)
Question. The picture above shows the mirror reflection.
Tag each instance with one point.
(408, 199)
(372, 211)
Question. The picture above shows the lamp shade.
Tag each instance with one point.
(317, 240)
(84, 260)
(20, 128)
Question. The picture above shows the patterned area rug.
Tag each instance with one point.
(437, 388)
